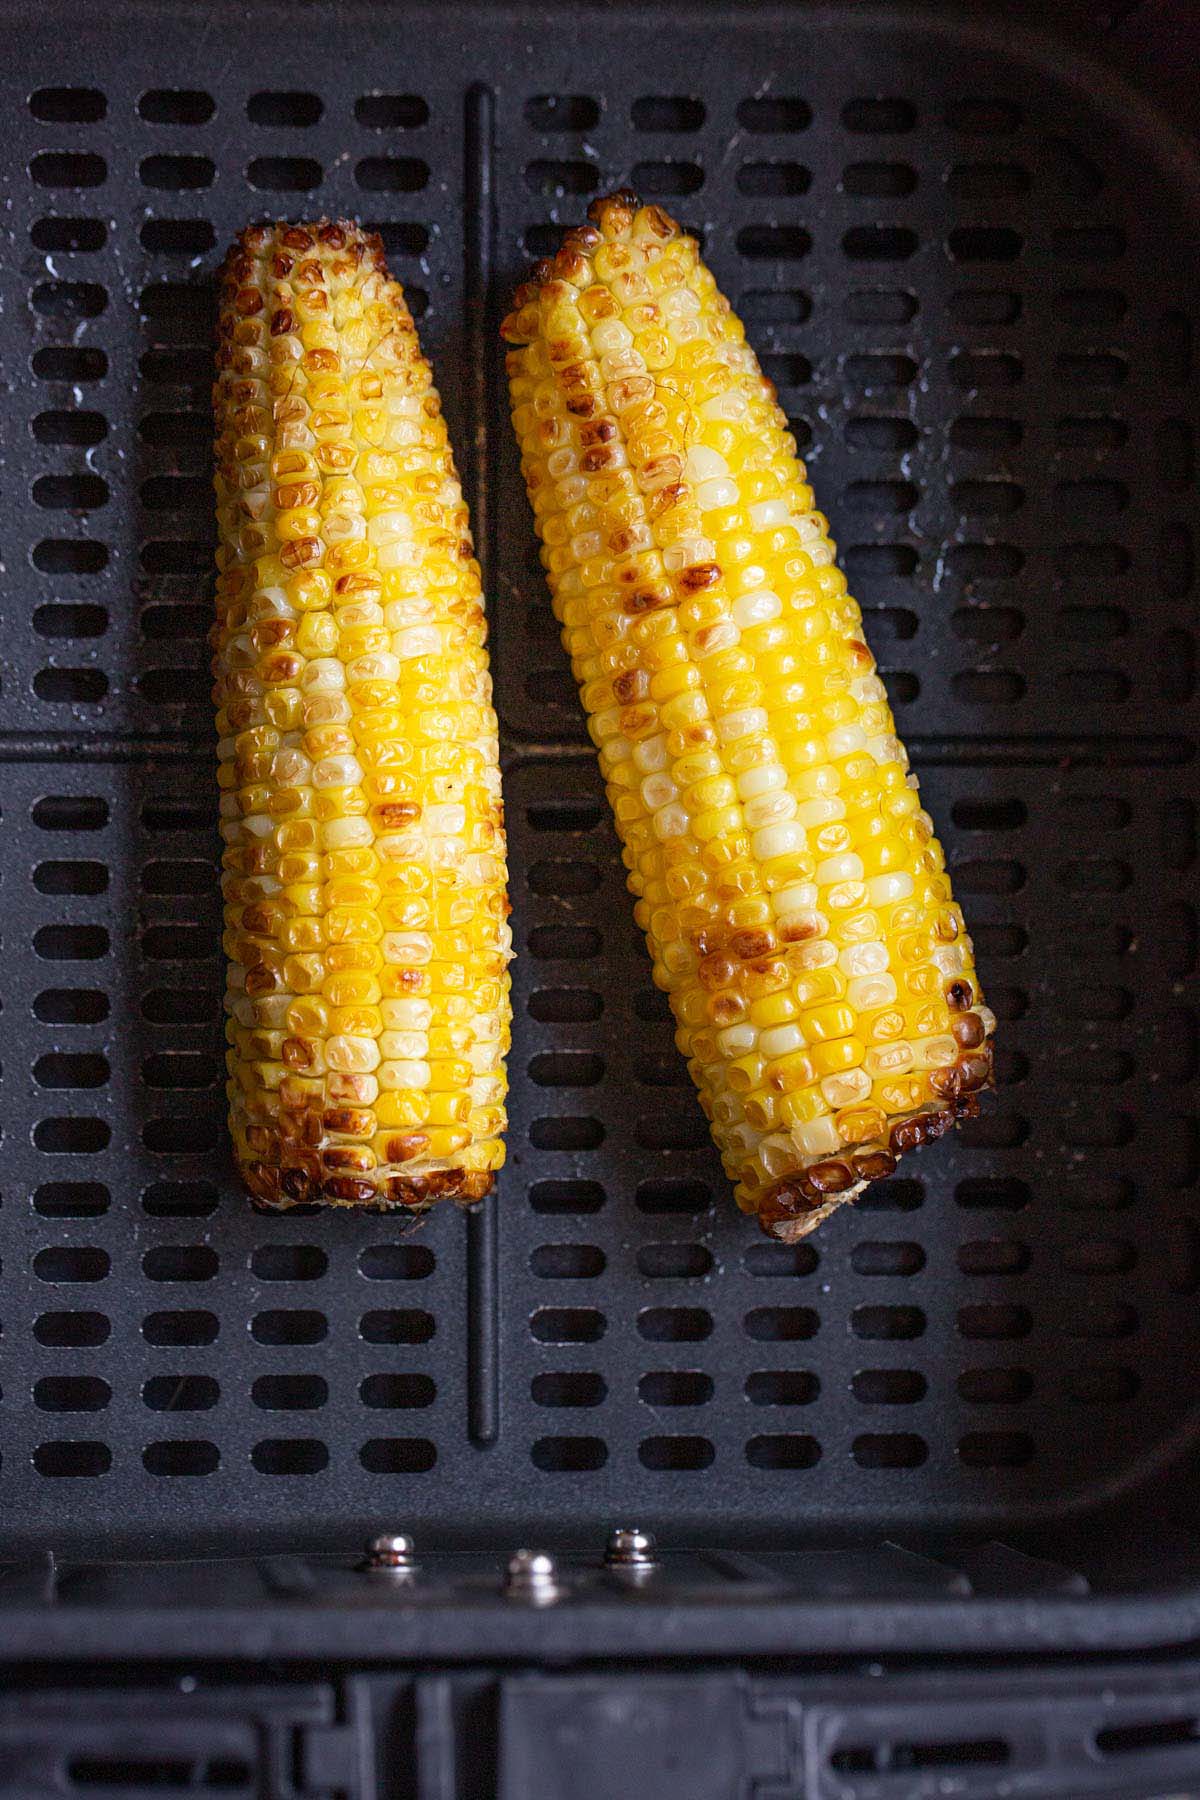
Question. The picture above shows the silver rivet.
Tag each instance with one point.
(628, 1548)
(532, 1575)
(392, 1550)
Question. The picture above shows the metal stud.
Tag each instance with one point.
(629, 1548)
(533, 1576)
(393, 1551)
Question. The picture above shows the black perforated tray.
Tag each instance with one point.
(969, 263)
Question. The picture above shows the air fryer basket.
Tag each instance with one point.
(968, 262)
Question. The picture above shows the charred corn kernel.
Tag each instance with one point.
(366, 920)
(791, 889)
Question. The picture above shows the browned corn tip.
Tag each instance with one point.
(799, 1202)
(278, 1190)
(612, 215)
(295, 240)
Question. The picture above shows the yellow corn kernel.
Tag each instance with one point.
(792, 894)
(337, 499)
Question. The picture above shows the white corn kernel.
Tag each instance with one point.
(352, 1055)
(768, 513)
(670, 822)
(797, 898)
(847, 867)
(658, 790)
(413, 609)
(610, 335)
(336, 771)
(271, 603)
(401, 434)
(723, 408)
(344, 527)
(323, 675)
(825, 810)
(389, 527)
(936, 1052)
(379, 665)
(843, 740)
(402, 554)
(846, 1088)
(777, 840)
(819, 954)
(743, 1140)
(703, 464)
(399, 846)
(407, 1014)
(883, 890)
(341, 834)
(650, 755)
(447, 820)
(864, 959)
(769, 809)
(617, 750)
(400, 403)
(763, 780)
(394, 1075)
(411, 949)
(757, 608)
(716, 493)
(887, 749)
(845, 896)
(605, 724)
(818, 1138)
(416, 640)
(291, 768)
(687, 553)
(781, 1040)
(778, 1153)
(616, 365)
(869, 991)
(737, 725)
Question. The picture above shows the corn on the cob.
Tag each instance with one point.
(792, 892)
(365, 908)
